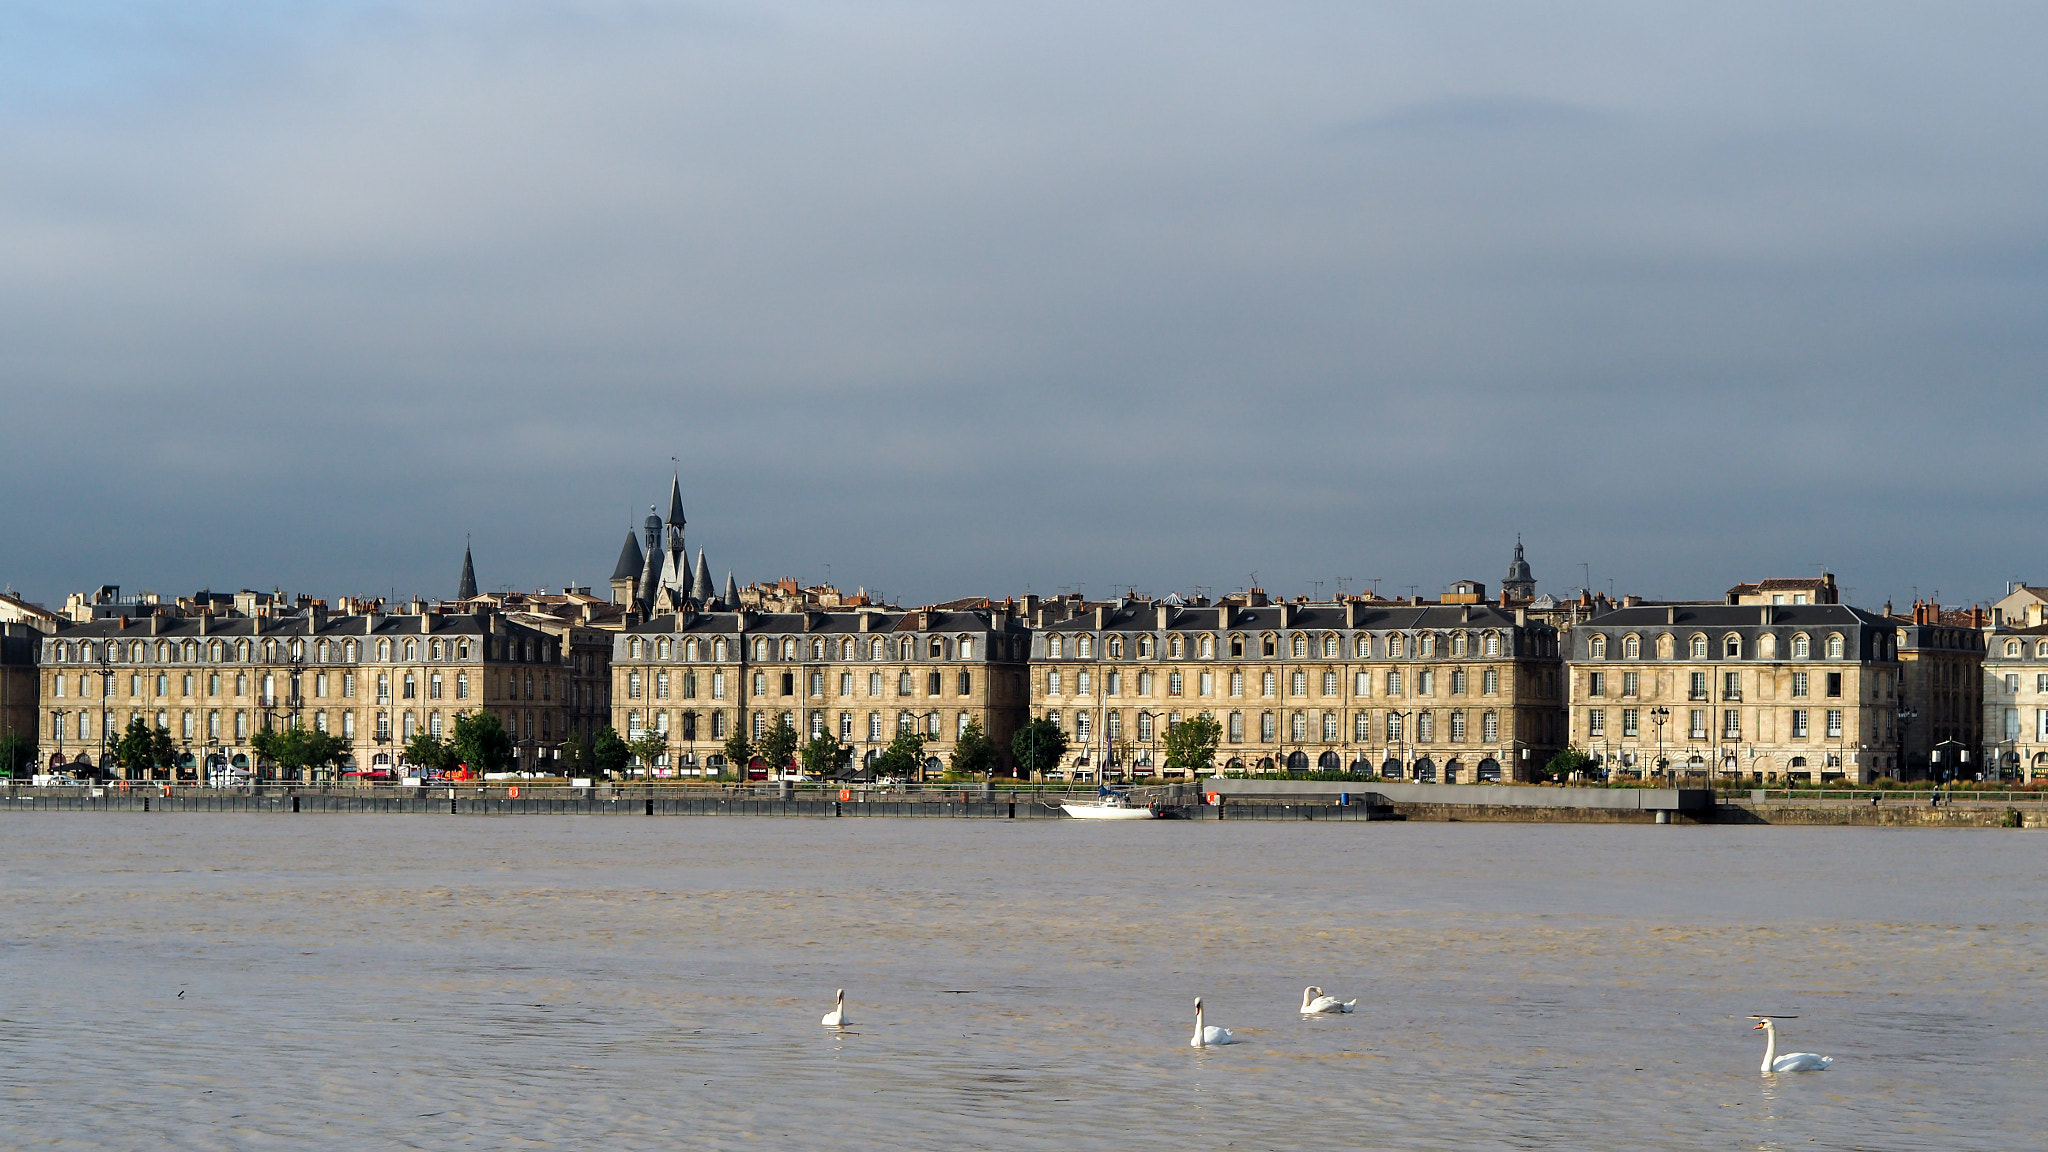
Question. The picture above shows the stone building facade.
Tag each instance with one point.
(375, 680)
(1941, 652)
(2015, 673)
(860, 676)
(20, 645)
(1759, 692)
(1461, 693)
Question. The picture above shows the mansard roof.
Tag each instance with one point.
(824, 622)
(1737, 616)
(1143, 616)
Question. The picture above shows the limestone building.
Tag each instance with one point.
(20, 644)
(2015, 675)
(1759, 692)
(1457, 693)
(859, 675)
(1942, 693)
(373, 679)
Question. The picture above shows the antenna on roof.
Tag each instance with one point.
(1317, 595)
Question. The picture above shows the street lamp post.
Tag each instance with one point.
(1407, 740)
(1661, 716)
(106, 695)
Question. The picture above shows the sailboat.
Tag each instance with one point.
(1108, 805)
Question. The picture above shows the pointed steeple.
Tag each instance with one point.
(732, 593)
(467, 588)
(700, 584)
(675, 502)
(630, 559)
(650, 572)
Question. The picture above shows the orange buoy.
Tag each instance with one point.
(513, 792)
(846, 793)
(1212, 797)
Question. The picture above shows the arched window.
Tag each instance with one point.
(965, 648)
(936, 649)
(163, 652)
(634, 648)
(412, 651)
(719, 649)
(1598, 647)
(435, 649)
(1458, 644)
(1397, 644)
(1173, 647)
(384, 650)
(2012, 648)
(1268, 645)
(1362, 647)
(1116, 647)
(1054, 648)
(1237, 645)
(1731, 646)
(846, 648)
(1300, 645)
(1084, 647)
(1834, 645)
(2041, 650)
(817, 649)
(1493, 643)
(1631, 647)
(662, 649)
(904, 650)
(1425, 644)
(1330, 646)
(875, 650)
(461, 650)
(348, 652)
(1207, 646)
(192, 651)
(1145, 646)
(789, 648)
(1699, 647)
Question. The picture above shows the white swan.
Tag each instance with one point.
(836, 1018)
(1790, 1061)
(1210, 1036)
(1314, 1003)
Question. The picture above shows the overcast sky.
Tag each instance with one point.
(965, 299)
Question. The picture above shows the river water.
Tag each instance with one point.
(189, 981)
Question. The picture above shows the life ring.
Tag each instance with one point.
(846, 793)
(1212, 797)
(513, 792)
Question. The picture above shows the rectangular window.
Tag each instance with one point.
(689, 687)
(1329, 683)
(1834, 721)
(433, 686)
(846, 725)
(1457, 726)
(2041, 682)
(760, 724)
(1799, 683)
(1173, 683)
(1696, 727)
(1630, 682)
(1206, 683)
(1631, 721)
(1699, 686)
(789, 684)
(817, 683)
(1393, 727)
(1052, 683)
(1489, 724)
(1266, 728)
(632, 685)
(1361, 727)
(1425, 727)
(1362, 684)
(2012, 723)
(761, 683)
(1083, 722)
(1596, 721)
(846, 683)
(1596, 684)
(1799, 717)
(935, 684)
(348, 725)
(1731, 723)
(1266, 684)
(1081, 684)
(718, 725)
(1393, 683)
(1237, 684)
(1237, 725)
(874, 725)
(1144, 726)
(875, 683)
(967, 684)
(1489, 682)
(1113, 683)
(1731, 685)
(1834, 685)
(718, 685)
(965, 720)
(2012, 682)
(1425, 682)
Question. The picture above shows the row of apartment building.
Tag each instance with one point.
(1777, 682)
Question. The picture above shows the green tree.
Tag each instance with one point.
(145, 750)
(738, 752)
(1561, 766)
(430, 753)
(17, 755)
(608, 753)
(482, 743)
(974, 755)
(779, 744)
(1191, 744)
(648, 749)
(824, 757)
(576, 755)
(904, 758)
(1038, 747)
(294, 750)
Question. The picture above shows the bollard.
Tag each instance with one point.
(650, 805)
(1663, 817)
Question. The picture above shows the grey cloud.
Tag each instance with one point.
(959, 301)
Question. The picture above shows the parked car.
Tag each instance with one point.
(371, 776)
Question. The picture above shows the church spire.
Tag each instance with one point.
(467, 588)
(675, 503)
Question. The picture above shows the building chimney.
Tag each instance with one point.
(1767, 614)
(1101, 617)
(1165, 613)
(1671, 613)
(1285, 613)
(1351, 613)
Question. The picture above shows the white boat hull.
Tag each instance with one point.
(1106, 812)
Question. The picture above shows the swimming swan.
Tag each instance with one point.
(1208, 1037)
(1790, 1061)
(836, 1018)
(1314, 1003)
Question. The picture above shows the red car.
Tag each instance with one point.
(371, 776)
